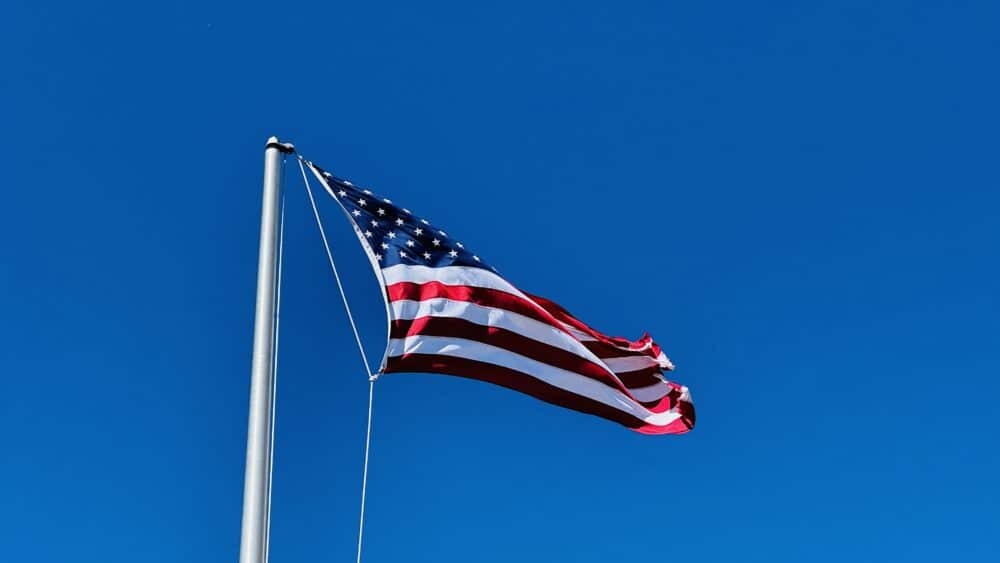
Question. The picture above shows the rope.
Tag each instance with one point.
(336, 275)
(364, 473)
(364, 357)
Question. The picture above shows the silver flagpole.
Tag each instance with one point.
(256, 484)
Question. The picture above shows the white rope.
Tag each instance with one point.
(333, 266)
(364, 473)
(361, 348)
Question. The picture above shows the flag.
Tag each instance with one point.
(451, 312)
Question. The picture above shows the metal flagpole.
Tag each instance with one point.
(256, 484)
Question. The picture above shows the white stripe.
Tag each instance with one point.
(630, 363)
(563, 379)
(622, 364)
(685, 394)
(478, 277)
(664, 361)
(661, 360)
(579, 334)
(449, 275)
(653, 392)
(500, 318)
(490, 316)
(585, 337)
(527, 327)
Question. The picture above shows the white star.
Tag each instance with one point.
(436, 242)
(410, 243)
(378, 256)
(385, 246)
(427, 255)
(458, 244)
(368, 234)
(452, 253)
(356, 213)
(424, 221)
(402, 254)
(399, 222)
(407, 211)
(381, 211)
(476, 258)
(442, 233)
(362, 202)
(392, 234)
(418, 231)
(369, 192)
(386, 200)
(374, 223)
(341, 193)
(348, 182)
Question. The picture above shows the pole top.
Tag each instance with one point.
(274, 143)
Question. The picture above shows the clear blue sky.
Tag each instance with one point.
(799, 200)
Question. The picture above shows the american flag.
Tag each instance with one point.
(450, 312)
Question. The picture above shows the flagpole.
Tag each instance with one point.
(256, 484)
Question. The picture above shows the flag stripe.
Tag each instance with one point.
(463, 280)
(570, 381)
(526, 383)
(602, 349)
(520, 324)
(651, 395)
(486, 315)
(502, 338)
(581, 330)
(630, 363)
(487, 297)
(640, 378)
(515, 343)
(449, 275)
(492, 307)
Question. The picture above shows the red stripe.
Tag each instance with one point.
(605, 350)
(512, 379)
(410, 291)
(640, 378)
(502, 338)
(606, 346)
(523, 346)
(551, 314)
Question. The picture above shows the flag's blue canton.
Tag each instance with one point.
(397, 236)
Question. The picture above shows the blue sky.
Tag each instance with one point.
(800, 202)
